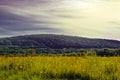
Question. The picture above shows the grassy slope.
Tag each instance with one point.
(59, 67)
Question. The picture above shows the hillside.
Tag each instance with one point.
(57, 42)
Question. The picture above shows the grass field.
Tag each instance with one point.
(59, 67)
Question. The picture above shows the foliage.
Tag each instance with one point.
(59, 67)
(65, 51)
(57, 42)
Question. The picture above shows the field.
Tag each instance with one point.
(59, 68)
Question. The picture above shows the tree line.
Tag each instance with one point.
(64, 51)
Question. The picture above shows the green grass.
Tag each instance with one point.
(59, 67)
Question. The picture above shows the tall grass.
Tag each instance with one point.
(59, 67)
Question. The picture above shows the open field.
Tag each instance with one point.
(59, 67)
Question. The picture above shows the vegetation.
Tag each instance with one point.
(59, 67)
(57, 42)
(44, 57)
(65, 51)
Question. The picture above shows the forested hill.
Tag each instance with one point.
(57, 42)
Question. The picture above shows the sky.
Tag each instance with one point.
(84, 18)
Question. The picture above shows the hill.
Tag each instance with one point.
(57, 42)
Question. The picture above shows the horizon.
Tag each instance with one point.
(60, 35)
(82, 18)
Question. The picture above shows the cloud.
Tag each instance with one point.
(114, 22)
(75, 17)
(26, 2)
(5, 32)
(11, 23)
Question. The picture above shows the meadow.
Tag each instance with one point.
(59, 68)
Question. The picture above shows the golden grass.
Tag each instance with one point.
(59, 67)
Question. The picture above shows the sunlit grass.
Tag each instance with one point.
(59, 67)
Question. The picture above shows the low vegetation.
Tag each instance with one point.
(59, 67)
(7, 51)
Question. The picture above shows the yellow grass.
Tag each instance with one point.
(59, 67)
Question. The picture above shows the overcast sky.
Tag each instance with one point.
(86, 18)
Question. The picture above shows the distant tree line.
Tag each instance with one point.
(65, 51)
